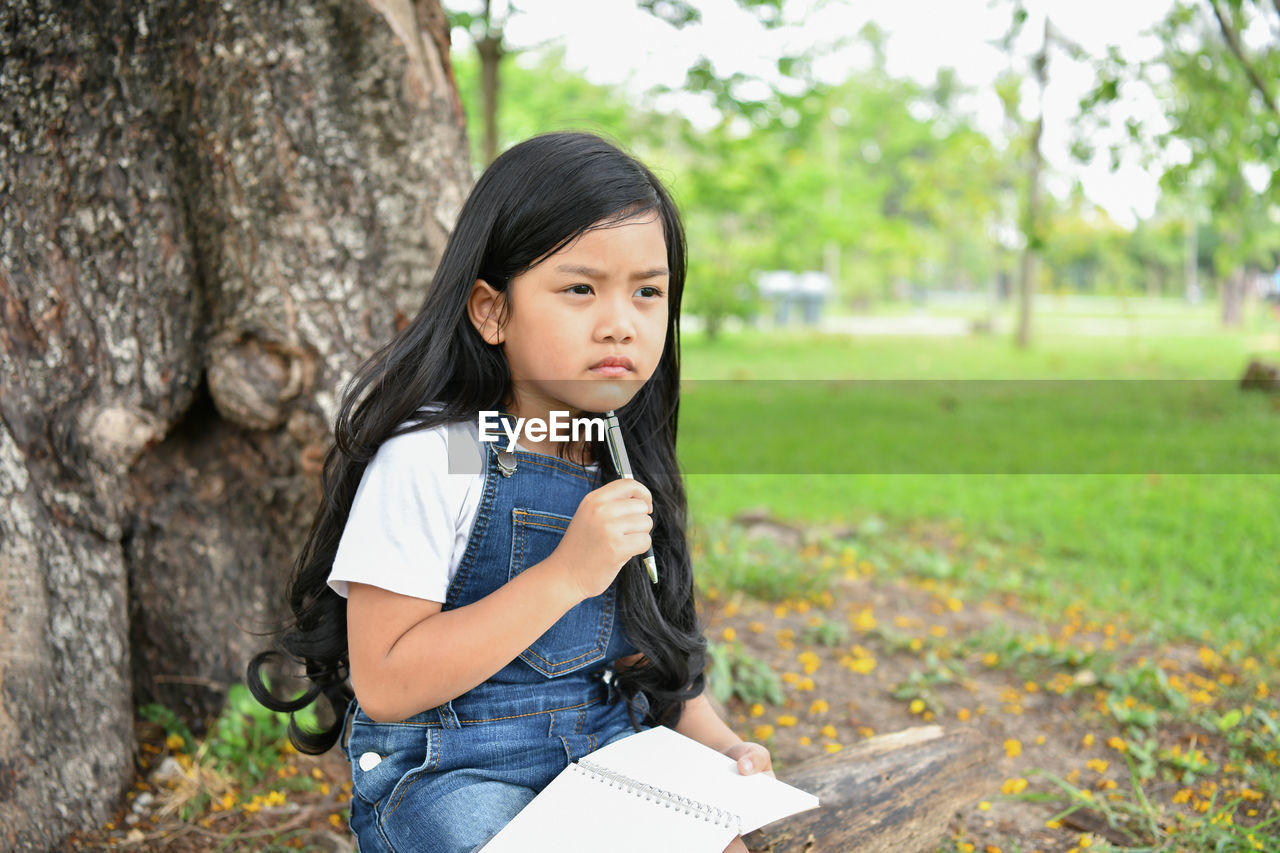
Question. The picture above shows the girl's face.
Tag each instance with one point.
(584, 328)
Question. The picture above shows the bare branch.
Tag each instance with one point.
(1233, 41)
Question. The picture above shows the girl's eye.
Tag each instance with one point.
(579, 289)
(650, 292)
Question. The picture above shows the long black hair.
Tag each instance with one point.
(533, 200)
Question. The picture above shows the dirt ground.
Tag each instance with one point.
(842, 660)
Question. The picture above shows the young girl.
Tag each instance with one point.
(488, 605)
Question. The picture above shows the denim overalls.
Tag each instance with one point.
(446, 780)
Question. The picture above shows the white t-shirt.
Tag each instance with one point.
(413, 513)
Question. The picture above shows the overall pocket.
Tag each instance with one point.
(384, 756)
(579, 638)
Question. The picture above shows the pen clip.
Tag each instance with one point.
(613, 436)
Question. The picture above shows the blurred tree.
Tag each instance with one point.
(486, 32)
(1219, 142)
(485, 26)
(882, 182)
(1031, 223)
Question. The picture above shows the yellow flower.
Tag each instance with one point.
(805, 740)
(955, 605)
(1097, 765)
(984, 806)
(963, 715)
(863, 621)
(762, 732)
(729, 635)
(1013, 748)
(917, 705)
(829, 731)
(834, 747)
(1117, 743)
(175, 742)
(336, 820)
(862, 666)
(1013, 786)
(786, 721)
(819, 706)
(757, 710)
(1087, 740)
(809, 661)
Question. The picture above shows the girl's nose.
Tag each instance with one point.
(616, 321)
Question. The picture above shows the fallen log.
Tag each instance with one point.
(891, 794)
(1261, 376)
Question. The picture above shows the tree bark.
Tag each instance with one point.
(1032, 228)
(1232, 296)
(210, 213)
(895, 793)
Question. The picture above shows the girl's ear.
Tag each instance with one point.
(487, 309)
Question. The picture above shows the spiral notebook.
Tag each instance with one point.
(653, 791)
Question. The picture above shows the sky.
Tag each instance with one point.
(611, 41)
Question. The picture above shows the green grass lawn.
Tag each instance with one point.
(1179, 533)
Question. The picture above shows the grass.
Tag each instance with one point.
(1183, 555)
(1161, 533)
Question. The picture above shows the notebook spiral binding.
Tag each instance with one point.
(693, 808)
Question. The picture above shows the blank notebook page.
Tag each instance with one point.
(580, 813)
(668, 760)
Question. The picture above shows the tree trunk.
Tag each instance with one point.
(490, 52)
(1032, 228)
(210, 213)
(895, 793)
(1233, 298)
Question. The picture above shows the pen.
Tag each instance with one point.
(613, 433)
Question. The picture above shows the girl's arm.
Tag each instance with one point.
(700, 721)
(408, 655)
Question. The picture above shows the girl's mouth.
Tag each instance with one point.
(612, 366)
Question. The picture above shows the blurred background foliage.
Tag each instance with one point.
(891, 188)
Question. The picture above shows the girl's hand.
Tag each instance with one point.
(611, 526)
(751, 757)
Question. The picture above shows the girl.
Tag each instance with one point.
(488, 605)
